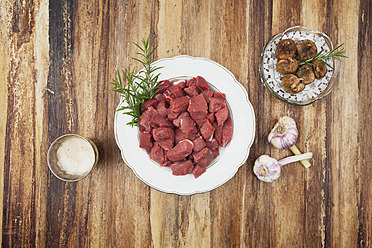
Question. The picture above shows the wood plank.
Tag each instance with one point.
(287, 204)
(194, 221)
(257, 196)
(106, 46)
(90, 68)
(229, 48)
(317, 198)
(62, 115)
(41, 53)
(5, 58)
(195, 28)
(39, 42)
(128, 224)
(364, 173)
(20, 159)
(343, 186)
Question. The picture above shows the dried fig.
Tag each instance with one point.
(285, 66)
(285, 49)
(306, 49)
(320, 69)
(306, 73)
(292, 84)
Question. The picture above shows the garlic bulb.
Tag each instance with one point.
(284, 135)
(267, 169)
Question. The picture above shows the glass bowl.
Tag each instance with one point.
(271, 78)
(78, 145)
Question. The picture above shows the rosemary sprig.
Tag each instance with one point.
(324, 56)
(140, 87)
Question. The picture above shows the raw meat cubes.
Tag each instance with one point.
(184, 124)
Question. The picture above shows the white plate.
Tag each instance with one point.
(231, 157)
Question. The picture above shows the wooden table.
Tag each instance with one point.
(56, 58)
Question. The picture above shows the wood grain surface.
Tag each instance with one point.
(56, 58)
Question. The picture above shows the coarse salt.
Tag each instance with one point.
(75, 156)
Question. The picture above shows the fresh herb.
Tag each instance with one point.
(139, 87)
(324, 56)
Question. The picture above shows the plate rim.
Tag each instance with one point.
(233, 171)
